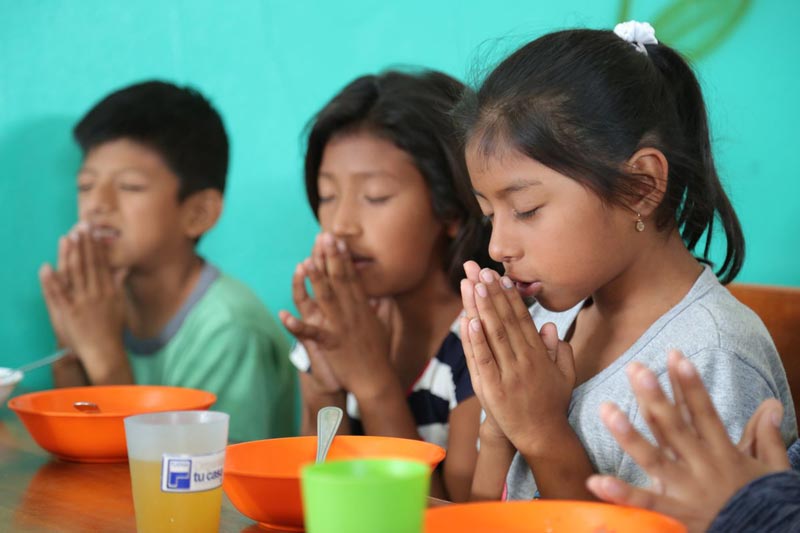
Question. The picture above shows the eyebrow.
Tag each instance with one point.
(517, 186)
(124, 170)
(363, 175)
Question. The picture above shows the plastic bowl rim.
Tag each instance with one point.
(445, 509)
(12, 403)
(441, 453)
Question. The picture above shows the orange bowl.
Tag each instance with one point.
(553, 516)
(262, 478)
(73, 435)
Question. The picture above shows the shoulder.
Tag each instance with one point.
(233, 298)
(229, 308)
(727, 323)
(712, 315)
(709, 322)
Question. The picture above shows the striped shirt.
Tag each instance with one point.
(442, 385)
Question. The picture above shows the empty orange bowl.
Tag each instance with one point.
(58, 427)
(262, 478)
(553, 516)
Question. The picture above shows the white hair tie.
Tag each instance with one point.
(636, 33)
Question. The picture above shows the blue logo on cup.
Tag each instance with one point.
(179, 474)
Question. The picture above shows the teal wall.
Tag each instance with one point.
(268, 65)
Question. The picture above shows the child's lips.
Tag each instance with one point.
(527, 289)
(105, 234)
(361, 262)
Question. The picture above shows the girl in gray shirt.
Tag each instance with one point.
(589, 153)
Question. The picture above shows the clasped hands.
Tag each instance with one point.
(85, 299)
(523, 377)
(346, 334)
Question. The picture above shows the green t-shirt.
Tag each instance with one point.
(225, 341)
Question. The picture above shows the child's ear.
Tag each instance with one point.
(200, 212)
(451, 228)
(652, 169)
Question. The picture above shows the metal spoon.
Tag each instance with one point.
(86, 407)
(328, 420)
(43, 361)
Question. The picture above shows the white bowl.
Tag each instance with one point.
(8, 380)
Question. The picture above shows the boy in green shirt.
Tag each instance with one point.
(131, 297)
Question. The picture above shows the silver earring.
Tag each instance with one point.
(639, 223)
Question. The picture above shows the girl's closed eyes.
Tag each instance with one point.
(525, 215)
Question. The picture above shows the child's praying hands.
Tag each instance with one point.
(347, 338)
(86, 304)
(524, 379)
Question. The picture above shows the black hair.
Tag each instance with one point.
(412, 111)
(179, 123)
(582, 102)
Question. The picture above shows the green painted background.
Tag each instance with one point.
(268, 65)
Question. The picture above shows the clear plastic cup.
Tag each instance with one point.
(176, 460)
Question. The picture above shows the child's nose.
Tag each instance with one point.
(346, 222)
(101, 199)
(503, 247)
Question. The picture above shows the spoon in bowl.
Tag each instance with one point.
(86, 407)
(328, 420)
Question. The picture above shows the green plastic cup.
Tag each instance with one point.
(369, 495)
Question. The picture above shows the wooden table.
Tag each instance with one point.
(41, 493)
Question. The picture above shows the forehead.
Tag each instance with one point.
(364, 155)
(500, 169)
(125, 154)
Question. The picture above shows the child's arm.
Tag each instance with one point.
(69, 372)
(315, 399)
(494, 460)
(462, 452)
(384, 411)
(561, 467)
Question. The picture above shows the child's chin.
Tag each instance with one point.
(554, 305)
(117, 262)
(375, 288)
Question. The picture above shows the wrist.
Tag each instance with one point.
(106, 363)
(319, 399)
(549, 442)
(377, 388)
(491, 440)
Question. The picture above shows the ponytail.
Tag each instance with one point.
(694, 193)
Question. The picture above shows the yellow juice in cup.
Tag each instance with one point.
(169, 511)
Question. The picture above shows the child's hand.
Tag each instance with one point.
(525, 378)
(489, 429)
(55, 290)
(694, 464)
(306, 330)
(87, 302)
(345, 327)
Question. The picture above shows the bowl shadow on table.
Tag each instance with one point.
(58, 488)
